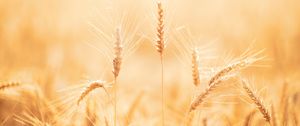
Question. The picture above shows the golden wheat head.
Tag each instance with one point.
(258, 102)
(88, 89)
(199, 99)
(195, 66)
(233, 67)
(117, 61)
(160, 43)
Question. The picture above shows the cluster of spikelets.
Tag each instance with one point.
(221, 77)
(5, 85)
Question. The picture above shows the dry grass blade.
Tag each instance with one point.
(195, 67)
(91, 87)
(6, 85)
(258, 102)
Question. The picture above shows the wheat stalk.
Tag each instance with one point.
(116, 68)
(258, 102)
(92, 86)
(195, 67)
(91, 116)
(5, 85)
(160, 45)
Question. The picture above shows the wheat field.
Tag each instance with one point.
(149, 63)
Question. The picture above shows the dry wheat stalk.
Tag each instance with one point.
(91, 116)
(258, 102)
(116, 68)
(6, 85)
(160, 45)
(91, 87)
(195, 66)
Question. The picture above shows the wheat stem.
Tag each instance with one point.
(116, 68)
(115, 102)
(160, 45)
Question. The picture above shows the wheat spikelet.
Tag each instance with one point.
(160, 43)
(195, 66)
(258, 102)
(199, 99)
(6, 85)
(88, 89)
(117, 61)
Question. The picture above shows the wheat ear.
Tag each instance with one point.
(117, 61)
(258, 102)
(232, 67)
(6, 85)
(160, 42)
(116, 68)
(160, 45)
(195, 66)
(199, 99)
(91, 87)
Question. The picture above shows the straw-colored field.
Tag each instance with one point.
(149, 63)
